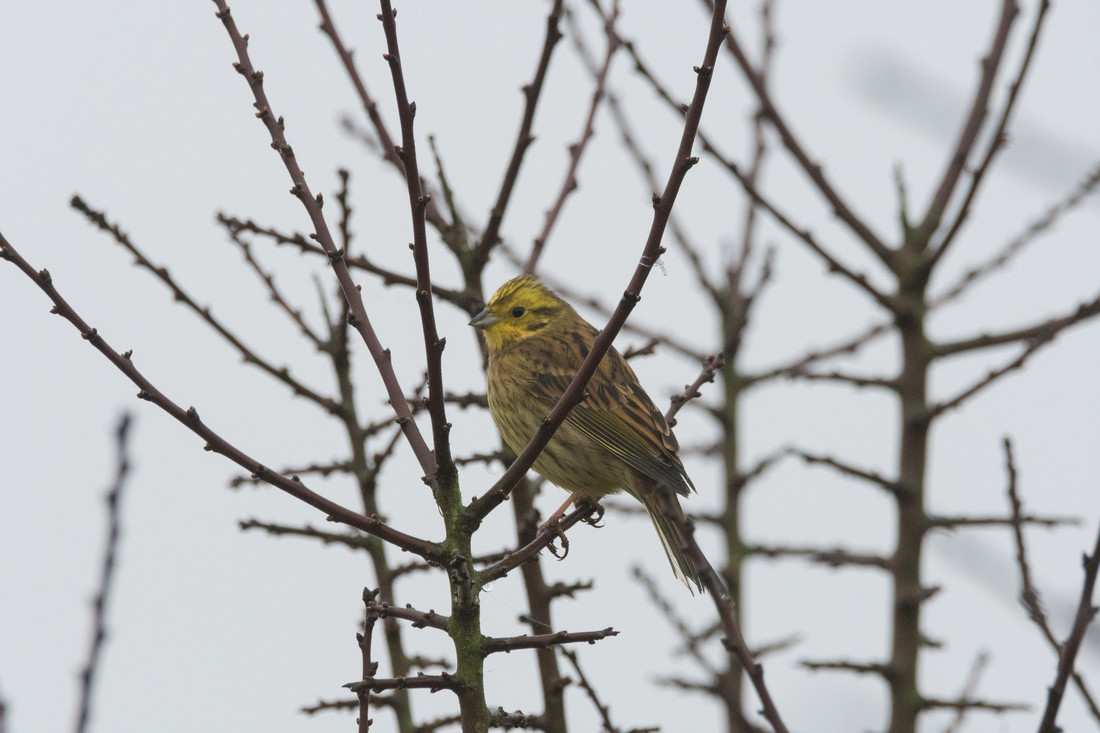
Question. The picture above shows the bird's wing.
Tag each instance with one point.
(620, 416)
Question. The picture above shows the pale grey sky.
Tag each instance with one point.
(135, 106)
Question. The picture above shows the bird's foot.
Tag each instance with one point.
(554, 528)
(595, 509)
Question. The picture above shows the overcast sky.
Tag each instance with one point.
(135, 107)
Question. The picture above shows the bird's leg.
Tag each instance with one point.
(552, 525)
(593, 507)
(553, 520)
(556, 530)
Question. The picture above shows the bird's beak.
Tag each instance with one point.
(484, 319)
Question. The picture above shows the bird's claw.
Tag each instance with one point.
(558, 533)
(591, 505)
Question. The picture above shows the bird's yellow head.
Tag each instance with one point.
(521, 308)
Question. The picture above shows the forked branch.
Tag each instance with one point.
(652, 250)
(323, 237)
(214, 442)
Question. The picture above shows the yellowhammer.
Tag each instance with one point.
(614, 440)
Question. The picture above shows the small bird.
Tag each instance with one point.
(614, 440)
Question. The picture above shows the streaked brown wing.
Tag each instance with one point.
(619, 416)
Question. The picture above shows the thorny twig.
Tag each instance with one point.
(1031, 232)
(601, 708)
(968, 691)
(190, 419)
(968, 136)
(418, 201)
(650, 253)
(354, 541)
(99, 604)
(689, 639)
(388, 277)
(370, 107)
(997, 140)
(250, 357)
(323, 237)
(711, 365)
(734, 642)
(576, 149)
(531, 93)
(1029, 594)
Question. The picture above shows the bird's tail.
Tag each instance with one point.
(667, 516)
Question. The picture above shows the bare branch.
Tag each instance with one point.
(736, 270)
(708, 687)
(419, 619)
(430, 682)
(836, 376)
(952, 523)
(568, 590)
(747, 180)
(970, 688)
(779, 645)
(1044, 223)
(601, 708)
(1031, 600)
(354, 541)
(968, 136)
(998, 139)
(247, 354)
(649, 348)
(813, 170)
(457, 298)
(518, 719)
(493, 645)
(370, 667)
(633, 147)
(576, 150)
(513, 559)
(418, 201)
(323, 237)
(326, 705)
(485, 458)
(662, 205)
(849, 346)
(468, 399)
(1035, 338)
(931, 703)
(690, 640)
(748, 184)
(425, 662)
(835, 558)
(214, 442)
(107, 572)
(323, 470)
(433, 725)
(745, 477)
(531, 93)
(456, 236)
(276, 295)
(871, 668)
(711, 365)
(870, 476)
(370, 106)
(1038, 334)
(1029, 596)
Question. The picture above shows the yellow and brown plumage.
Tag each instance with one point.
(614, 440)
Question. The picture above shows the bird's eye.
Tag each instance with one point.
(517, 311)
